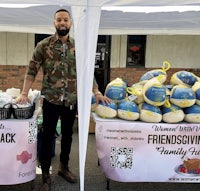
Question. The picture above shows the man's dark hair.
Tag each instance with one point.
(62, 10)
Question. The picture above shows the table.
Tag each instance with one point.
(134, 151)
(18, 148)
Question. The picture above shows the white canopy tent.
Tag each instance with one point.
(93, 17)
(140, 16)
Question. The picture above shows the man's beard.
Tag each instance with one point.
(62, 32)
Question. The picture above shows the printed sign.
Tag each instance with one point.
(18, 147)
(148, 152)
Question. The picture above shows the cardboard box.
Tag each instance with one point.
(92, 125)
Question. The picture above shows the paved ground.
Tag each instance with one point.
(94, 178)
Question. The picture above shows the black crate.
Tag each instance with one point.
(6, 111)
(23, 113)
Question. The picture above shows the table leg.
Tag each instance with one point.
(32, 185)
(107, 184)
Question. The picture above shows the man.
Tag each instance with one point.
(56, 56)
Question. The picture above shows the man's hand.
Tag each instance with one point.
(99, 97)
(22, 99)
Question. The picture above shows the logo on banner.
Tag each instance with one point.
(121, 158)
(24, 157)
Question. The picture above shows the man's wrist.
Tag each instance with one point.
(24, 93)
(97, 93)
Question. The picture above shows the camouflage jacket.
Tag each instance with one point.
(59, 84)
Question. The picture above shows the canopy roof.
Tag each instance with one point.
(127, 17)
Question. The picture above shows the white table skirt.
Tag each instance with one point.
(131, 151)
(18, 148)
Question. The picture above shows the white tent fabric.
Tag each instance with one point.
(86, 23)
(36, 16)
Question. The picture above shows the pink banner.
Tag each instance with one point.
(18, 148)
(148, 152)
